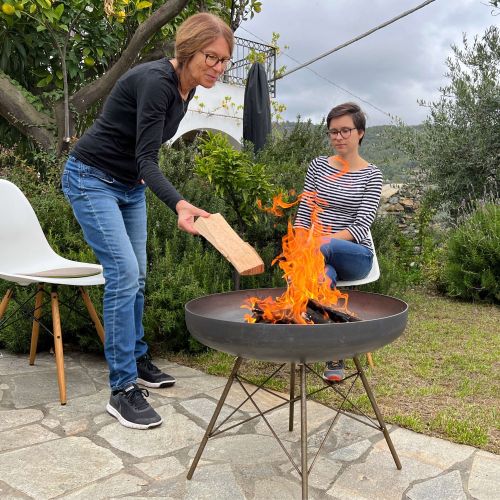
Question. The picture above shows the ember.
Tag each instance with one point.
(309, 297)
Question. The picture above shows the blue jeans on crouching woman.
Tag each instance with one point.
(113, 218)
(346, 260)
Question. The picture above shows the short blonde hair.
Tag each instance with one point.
(198, 31)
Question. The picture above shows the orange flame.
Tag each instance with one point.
(303, 266)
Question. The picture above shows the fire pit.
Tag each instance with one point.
(218, 322)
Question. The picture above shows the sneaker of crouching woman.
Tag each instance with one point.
(105, 179)
(349, 187)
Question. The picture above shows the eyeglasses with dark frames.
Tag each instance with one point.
(211, 60)
(344, 132)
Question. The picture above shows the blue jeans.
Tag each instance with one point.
(113, 218)
(346, 260)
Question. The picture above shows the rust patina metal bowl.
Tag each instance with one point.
(217, 321)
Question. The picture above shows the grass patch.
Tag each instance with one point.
(440, 378)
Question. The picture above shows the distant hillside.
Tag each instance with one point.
(378, 148)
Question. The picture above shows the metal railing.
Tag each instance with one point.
(237, 74)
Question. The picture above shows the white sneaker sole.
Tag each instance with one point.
(156, 385)
(132, 425)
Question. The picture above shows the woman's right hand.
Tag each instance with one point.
(186, 214)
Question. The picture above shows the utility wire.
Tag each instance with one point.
(325, 78)
(359, 37)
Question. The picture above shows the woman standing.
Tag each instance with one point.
(105, 180)
(349, 188)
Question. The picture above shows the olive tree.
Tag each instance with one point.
(458, 146)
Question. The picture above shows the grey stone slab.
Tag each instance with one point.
(218, 480)
(277, 488)
(16, 418)
(163, 468)
(445, 487)
(34, 388)
(187, 387)
(323, 472)
(484, 479)
(23, 437)
(237, 395)
(378, 477)
(53, 468)
(204, 408)
(75, 427)
(51, 423)
(444, 454)
(121, 484)
(348, 431)
(317, 415)
(78, 407)
(176, 432)
(243, 449)
(16, 364)
(351, 452)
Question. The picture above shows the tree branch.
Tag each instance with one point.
(96, 90)
(21, 114)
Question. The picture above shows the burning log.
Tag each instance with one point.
(315, 313)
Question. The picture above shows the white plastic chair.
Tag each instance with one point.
(373, 275)
(26, 258)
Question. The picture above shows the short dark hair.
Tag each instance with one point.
(349, 108)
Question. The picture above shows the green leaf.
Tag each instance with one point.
(143, 5)
(40, 28)
(58, 11)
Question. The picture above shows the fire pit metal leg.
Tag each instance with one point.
(218, 409)
(292, 396)
(380, 419)
(303, 431)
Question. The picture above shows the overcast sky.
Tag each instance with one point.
(390, 69)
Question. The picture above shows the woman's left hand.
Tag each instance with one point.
(186, 214)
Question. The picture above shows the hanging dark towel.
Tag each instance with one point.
(257, 107)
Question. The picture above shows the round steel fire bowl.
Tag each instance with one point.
(217, 321)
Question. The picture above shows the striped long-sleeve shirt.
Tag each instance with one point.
(349, 201)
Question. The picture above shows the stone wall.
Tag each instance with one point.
(401, 201)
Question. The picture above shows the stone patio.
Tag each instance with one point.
(78, 451)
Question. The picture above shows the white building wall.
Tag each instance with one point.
(219, 109)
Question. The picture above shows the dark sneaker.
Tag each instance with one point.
(334, 371)
(131, 409)
(151, 376)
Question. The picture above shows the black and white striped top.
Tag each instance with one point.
(349, 201)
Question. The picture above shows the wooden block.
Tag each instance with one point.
(239, 253)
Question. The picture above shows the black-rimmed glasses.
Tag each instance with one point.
(211, 60)
(344, 132)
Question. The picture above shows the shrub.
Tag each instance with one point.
(472, 266)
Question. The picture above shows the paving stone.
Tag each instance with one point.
(351, 452)
(187, 387)
(445, 487)
(323, 472)
(444, 454)
(25, 436)
(14, 365)
(317, 415)
(163, 468)
(378, 477)
(237, 395)
(16, 418)
(348, 431)
(4, 386)
(277, 488)
(34, 388)
(176, 432)
(121, 484)
(204, 408)
(75, 427)
(78, 407)
(73, 462)
(484, 479)
(1, 395)
(218, 480)
(242, 449)
(51, 423)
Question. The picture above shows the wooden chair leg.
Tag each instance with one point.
(5, 301)
(35, 330)
(58, 345)
(371, 364)
(92, 313)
